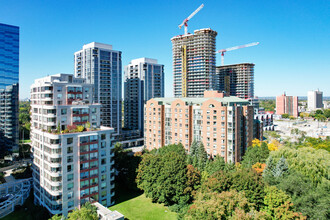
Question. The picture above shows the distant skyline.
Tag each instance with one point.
(293, 55)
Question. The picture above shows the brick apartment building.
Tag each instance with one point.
(224, 124)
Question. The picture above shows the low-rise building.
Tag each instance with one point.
(267, 121)
(224, 124)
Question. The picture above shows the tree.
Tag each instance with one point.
(278, 204)
(24, 120)
(162, 175)
(57, 217)
(193, 180)
(126, 163)
(241, 180)
(319, 112)
(320, 117)
(197, 156)
(316, 143)
(310, 200)
(275, 171)
(256, 154)
(259, 167)
(273, 145)
(202, 156)
(326, 113)
(193, 148)
(86, 212)
(310, 162)
(285, 115)
(225, 205)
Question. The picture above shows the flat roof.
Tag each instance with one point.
(197, 100)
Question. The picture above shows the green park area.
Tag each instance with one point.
(141, 207)
(134, 205)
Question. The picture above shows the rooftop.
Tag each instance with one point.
(98, 45)
(143, 60)
(228, 99)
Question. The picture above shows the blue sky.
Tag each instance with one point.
(294, 36)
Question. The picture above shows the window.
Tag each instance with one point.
(63, 119)
(84, 192)
(69, 168)
(70, 159)
(94, 173)
(70, 186)
(59, 89)
(69, 150)
(63, 111)
(94, 181)
(103, 137)
(70, 177)
(84, 175)
(59, 96)
(84, 166)
(70, 195)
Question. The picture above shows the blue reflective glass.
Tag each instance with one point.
(9, 55)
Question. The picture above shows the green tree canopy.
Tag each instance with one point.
(240, 179)
(257, 154)
(86, 212)
(162, 175)
(310, 162)
(224, 205)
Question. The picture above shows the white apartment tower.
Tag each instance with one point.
(194, 62)
(72, 153)
(315, 100)
(101, 66)
(144, 79)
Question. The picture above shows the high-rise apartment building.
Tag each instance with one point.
(223, 124)
(144, 79)
(72, 153)
(236, 80)
(101, 66)
(9, 91)
(315, 100)
(287, 105)
(194, 62)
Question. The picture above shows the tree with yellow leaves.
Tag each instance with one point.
(273, 145)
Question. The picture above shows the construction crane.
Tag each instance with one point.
(223, 51)
(185, 21)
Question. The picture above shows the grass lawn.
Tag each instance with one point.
(141, 207)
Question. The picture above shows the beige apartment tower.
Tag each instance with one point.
(224, 124)
(193, 62)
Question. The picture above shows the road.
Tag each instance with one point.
(17, 164)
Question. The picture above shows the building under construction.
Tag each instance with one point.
(236, 80)
(194, 62)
